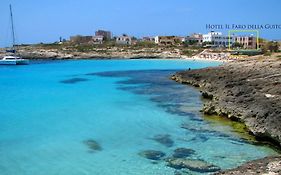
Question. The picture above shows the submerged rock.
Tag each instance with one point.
(164, 140)
(93, 145)
(152, 154)
(73, 80)
(193, 165)
(183, 153)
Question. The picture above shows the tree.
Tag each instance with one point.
(134, 38)
(190, 43)
(271, 46)
(237, 45)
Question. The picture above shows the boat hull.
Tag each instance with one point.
(14, 62)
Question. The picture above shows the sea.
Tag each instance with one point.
(112, 117)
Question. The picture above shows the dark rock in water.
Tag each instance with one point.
(183, 153)
(154, 162)
(73, 80)
(93, 145)
(177, 173)
(201, 138)
(164, 140)
(193, 165)
(152, 154)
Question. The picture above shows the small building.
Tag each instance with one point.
(182, 39)
(107, 35)
(248, 42)
(195, 38)
(79, 39)
(148, 39)
(217, 39)
(124, 40)
(166, 40)
(98, 39)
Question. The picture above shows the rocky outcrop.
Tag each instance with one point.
(69, 51)
(183, 153)
(152, 154)
(266, 166)
(164, 140)
(248, 91)
(193, 165)
(72, 52)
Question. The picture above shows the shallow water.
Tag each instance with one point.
(49, 110)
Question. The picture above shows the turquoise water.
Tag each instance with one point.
(49, 109)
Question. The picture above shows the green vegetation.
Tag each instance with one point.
(237, 45)
(191, 52)
(147, 44)
(246, 52)
(271, 46)
(190, 43)
(236, 127)
(267, 53)
(278, 57)
(84, 48)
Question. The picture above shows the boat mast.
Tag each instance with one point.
(13, 30)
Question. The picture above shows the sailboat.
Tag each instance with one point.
(12, 59)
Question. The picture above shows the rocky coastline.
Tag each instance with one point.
(66, 52)
(85, 52)
(248, 91)
(265, 166)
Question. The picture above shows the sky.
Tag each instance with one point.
(45, 21)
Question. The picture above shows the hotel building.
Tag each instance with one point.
(248, 42)
(217, 39)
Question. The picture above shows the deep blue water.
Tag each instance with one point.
(50, 110)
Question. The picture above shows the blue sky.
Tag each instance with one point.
(45, 21)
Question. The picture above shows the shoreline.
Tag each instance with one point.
(129, 58)
(183, 58)
(66, 52)
(245, 91)
(233, 92)
(265, 166)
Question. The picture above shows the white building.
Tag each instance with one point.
(98, 39)
(182, 39)
(218, 39)
(125, 40)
